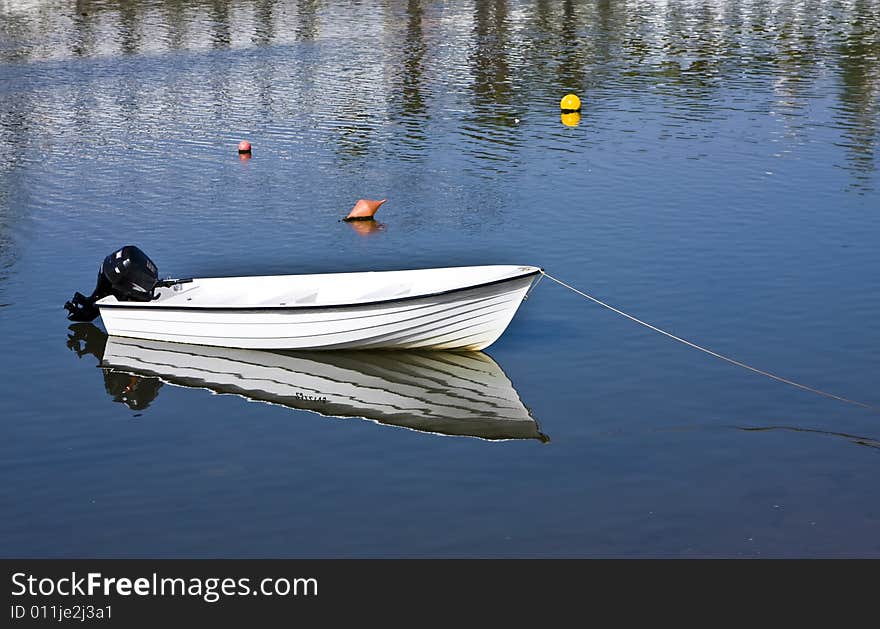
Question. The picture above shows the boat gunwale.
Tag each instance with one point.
(139, 305)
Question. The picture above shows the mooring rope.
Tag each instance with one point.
(709, 351)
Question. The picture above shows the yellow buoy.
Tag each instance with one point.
(570, 119)
(570, 102)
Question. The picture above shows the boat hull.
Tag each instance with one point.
(459, 320)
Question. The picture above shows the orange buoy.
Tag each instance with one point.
(364, 209)
(244, 146)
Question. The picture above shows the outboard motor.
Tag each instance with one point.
(128, 274)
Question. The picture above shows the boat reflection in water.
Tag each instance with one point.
(448, 393)
(134, 390)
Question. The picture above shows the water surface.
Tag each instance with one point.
(721, 182)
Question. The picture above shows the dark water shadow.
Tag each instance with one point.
(859, 440)
(868, 442)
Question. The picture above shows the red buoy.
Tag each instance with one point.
(244, 146)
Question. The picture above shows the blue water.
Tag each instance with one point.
(721, 183)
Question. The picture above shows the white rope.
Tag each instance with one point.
(709, 351)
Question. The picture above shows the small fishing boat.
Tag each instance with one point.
(447, 393)
(455, 308)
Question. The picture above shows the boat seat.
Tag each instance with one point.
(387, 293)
(307, 299)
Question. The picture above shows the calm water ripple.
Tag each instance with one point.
(721, 182)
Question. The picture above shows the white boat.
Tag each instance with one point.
(456, 308)
(449, 393)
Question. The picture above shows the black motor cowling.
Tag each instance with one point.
(128, 274)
